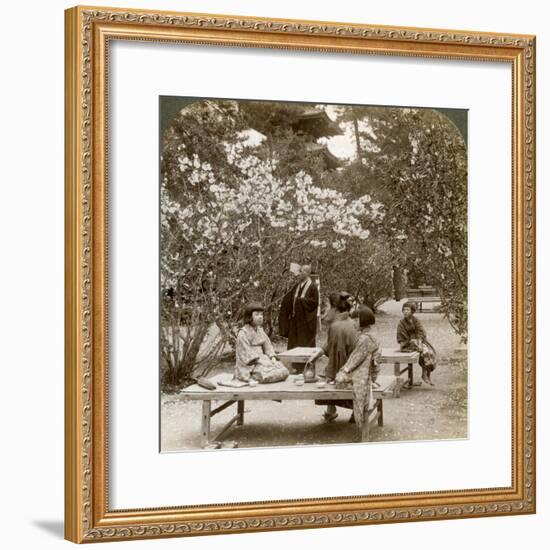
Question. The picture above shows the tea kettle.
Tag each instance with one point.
(309, 372)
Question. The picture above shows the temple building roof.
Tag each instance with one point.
(315, 123)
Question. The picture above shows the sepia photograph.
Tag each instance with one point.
(326, 259)
(313, 274)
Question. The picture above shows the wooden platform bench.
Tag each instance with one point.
(403, 362)
(300, 355)
(423, 295)
(279, 391)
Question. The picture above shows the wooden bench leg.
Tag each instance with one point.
(397, 374)
(205, 423)
(380, 408)
(410, 373)
(365, 429)
(240, 413)
(376, 413)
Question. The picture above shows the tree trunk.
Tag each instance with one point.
(357, 138)
(398, 283)
(187, 362)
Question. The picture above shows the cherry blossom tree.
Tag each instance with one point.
(229, 240)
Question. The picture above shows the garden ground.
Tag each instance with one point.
(423, 413)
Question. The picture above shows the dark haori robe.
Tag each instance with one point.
(411, 336)
(298, 315)
(341, 341)
(329, 317)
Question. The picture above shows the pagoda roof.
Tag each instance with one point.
(316, 123)
(308, 121)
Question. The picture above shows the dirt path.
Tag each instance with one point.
(425, 413)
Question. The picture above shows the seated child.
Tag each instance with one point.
(255, 356)
(411, 336)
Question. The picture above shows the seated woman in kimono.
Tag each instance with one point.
(411, 336)
(255, 356)
(362, 367)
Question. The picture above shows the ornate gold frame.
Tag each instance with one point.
(88, 32)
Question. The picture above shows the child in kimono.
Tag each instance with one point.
(411, 336)
(362, 367)
(255, 356)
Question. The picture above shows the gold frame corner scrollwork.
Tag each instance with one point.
(87, 34)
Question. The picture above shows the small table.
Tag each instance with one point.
(297, 356)
(389, 355)
(278, 391)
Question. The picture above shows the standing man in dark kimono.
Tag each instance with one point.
(298, 313)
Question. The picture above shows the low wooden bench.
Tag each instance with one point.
(279, 391)
(422, 295)
(300, 355)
